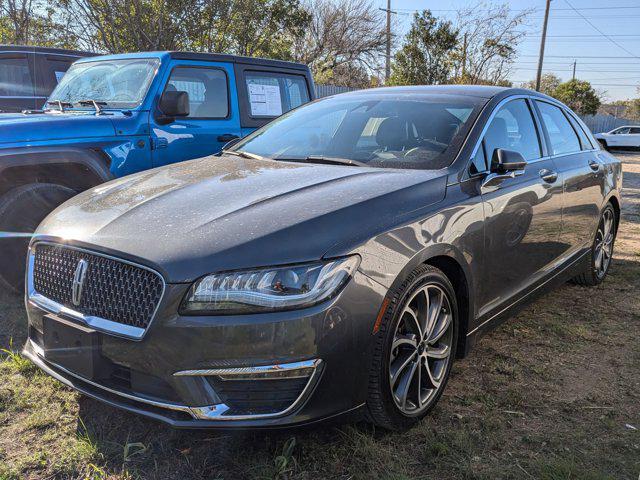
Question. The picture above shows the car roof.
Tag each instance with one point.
(45, 50)
(208, 57)
(481, 91)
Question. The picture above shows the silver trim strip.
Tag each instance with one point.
(210, 412)
(102, 324)
(260, 369)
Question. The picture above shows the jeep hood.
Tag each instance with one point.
(28, 128)
(224, 213)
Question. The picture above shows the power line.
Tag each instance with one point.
(600, 31)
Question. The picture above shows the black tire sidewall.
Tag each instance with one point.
(592, 264)
(394, 419)
(38, 199)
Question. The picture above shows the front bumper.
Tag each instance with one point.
(176, 373)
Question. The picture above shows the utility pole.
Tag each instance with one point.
(387, 67)
(464, 57)
(574, 69)
(542, 42)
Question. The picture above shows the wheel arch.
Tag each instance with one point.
(615, 203)
(75, 168)
(453, 264)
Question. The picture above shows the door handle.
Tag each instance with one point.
(548, 176)
(595, 166)
(227, 137)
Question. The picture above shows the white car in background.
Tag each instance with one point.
(621, 137)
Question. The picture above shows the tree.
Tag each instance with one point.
(428, 54)
(244, 27)
(489, 37)
(579, 95)
(33, 22)
(344, 42)
(548, 84)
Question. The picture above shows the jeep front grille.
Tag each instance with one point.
(112, 290)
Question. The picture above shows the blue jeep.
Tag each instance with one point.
(114, 115)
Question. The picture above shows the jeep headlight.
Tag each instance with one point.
(269, 289)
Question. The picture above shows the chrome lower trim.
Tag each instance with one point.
(209, 412)
(102, 324)
(248, 371)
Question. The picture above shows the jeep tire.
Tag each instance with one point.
(21, 211)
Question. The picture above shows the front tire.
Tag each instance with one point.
(600, 255)
(414, 351)
(21, 211)
(603, 144)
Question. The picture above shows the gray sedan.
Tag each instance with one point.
(332, 264)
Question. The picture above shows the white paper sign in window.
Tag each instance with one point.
(265, 100)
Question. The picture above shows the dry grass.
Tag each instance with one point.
(552, 394)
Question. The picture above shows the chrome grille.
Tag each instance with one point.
(113, 290)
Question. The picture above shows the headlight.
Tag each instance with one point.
(269, 289)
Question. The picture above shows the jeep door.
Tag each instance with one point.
(523, 214)
(213, 118)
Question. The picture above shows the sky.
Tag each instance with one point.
(605, 44)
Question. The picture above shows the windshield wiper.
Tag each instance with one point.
(243, 154)
(60, 104)
(93, 103)
(325, 160)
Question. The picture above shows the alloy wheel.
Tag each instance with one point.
(421, 349)
(603, 248)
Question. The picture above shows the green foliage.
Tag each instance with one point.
(579, 95)
(428, 54)
(244, 27)
(548, 84)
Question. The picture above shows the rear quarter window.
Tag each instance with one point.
(270, 94)
(15, 76)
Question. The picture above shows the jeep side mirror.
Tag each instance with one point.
(173, 104)
(504, 161)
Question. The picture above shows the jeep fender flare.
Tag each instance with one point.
(22, 165)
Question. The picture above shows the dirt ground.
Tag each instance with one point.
(553, 394)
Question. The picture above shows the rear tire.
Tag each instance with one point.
(601, 252)
(21, 211)
(414, 349)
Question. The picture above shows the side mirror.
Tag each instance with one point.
(173, 104)
(504, 161)
(505, 164)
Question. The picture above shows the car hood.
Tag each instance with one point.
(226, 213)
(20, 127)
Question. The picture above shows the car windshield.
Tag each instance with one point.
(112, 83)
(413, 131)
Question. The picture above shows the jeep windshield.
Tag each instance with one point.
(417, 131)
(110, 83)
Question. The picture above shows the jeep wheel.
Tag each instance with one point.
(21, 211)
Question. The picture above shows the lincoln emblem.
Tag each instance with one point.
(78, 282)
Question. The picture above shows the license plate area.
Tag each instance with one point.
(73, 347)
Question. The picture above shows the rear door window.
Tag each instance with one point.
(271, 94)
(562, 136)
(207, 88)
(634, 131)
(15, 76)
(585, 142)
